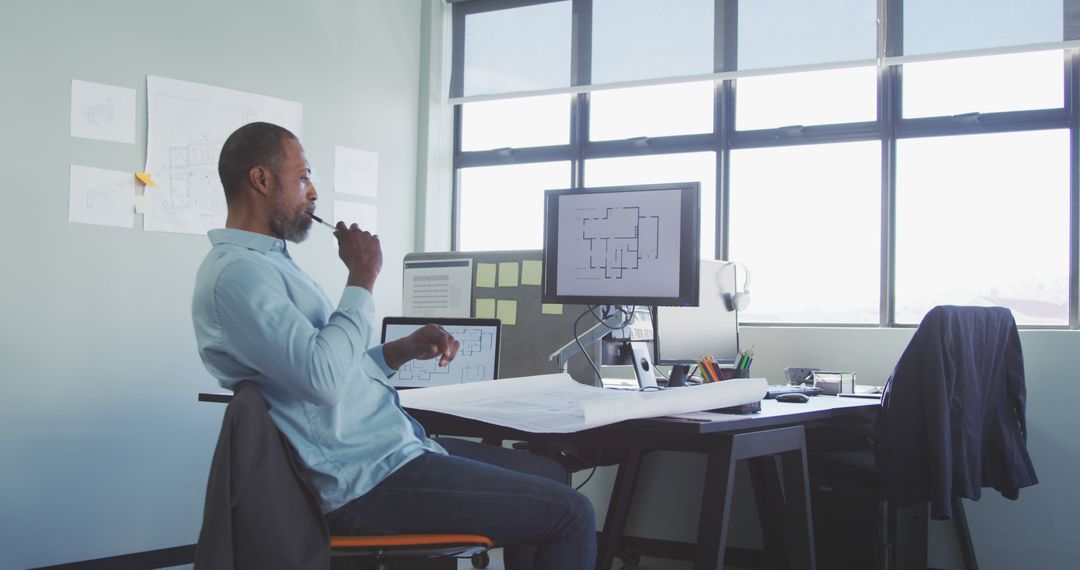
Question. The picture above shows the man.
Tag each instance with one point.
(259, 317)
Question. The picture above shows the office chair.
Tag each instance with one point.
(260, 512)
(952, 421)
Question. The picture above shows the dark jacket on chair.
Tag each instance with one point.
(259, 511)
(952, 418)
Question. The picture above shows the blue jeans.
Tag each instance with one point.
(517, 499)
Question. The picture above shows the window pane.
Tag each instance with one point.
(934, 26)
(679, 109)
(662, 168)
(516, 123)
(806, 220)
(777, 33)
(984, 220)
(991, 84)
(644, 39)
(518, 49)
(811, 98)
(502, 207)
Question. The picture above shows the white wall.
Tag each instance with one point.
(104, 449)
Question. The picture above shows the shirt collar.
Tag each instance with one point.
(243, 238)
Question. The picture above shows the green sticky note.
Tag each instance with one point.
(485, 274)
(530, 271)
(507, 312)
(508, 274)
(551, 308)
(485, 308)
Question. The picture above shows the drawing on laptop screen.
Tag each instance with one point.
(477, 358)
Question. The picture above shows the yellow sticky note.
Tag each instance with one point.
(142, 204)
(507, 312)
(508, 274)
(530, 271)
(485, 274)
(485, 308)
(145, 178)
(551, 308)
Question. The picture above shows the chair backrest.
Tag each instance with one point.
(259, 510)
(952, 418)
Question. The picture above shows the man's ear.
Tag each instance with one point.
(259, 178)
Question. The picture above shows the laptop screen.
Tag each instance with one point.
(477, 358)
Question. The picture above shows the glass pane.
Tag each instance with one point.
(502, 207)
(990, 84)
(679, 109)
(810, 98)
(806, 220)
(777, 33)
(984, 220)
(644, 39)
(935, 26)
(661, 168)
(516, 123)
(519, 49)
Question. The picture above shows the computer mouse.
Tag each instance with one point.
(793, 398)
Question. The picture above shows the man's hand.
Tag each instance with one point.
(425, 343)
(361, 253)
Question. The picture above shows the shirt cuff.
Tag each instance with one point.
(376, 355)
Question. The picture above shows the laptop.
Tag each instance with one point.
(477, 359)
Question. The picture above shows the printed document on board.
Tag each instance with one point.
(438, 288)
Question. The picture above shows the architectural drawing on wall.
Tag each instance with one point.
(187, 124)
(102, 197)
(617, 240)
(474, 361)
(103, 112)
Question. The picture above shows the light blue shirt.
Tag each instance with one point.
(259, 317)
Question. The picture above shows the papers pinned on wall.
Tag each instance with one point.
(365, 216)
(102, 112)
(102, 197)
(356, 172)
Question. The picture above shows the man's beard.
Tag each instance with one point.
(290, 227)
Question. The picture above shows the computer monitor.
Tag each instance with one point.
(622, 245)
(682, 335)
(477, 357)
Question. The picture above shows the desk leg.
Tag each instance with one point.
(784, 509)
(618, 508)
(768, 495)
(715, 506)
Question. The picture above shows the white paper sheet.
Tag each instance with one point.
(555, 403)
(187, 125)
(102, 112)
(356, 172)
(102, 197)
(366, 216)
(437, 288)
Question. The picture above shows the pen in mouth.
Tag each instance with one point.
(320, 220)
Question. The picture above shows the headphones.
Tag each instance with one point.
(735, 300)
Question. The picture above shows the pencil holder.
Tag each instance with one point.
(730, 373)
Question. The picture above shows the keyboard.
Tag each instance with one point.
(776, 389)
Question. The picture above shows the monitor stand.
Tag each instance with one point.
(678, 375)
(643, 366)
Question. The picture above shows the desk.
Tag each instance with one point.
(777, 431)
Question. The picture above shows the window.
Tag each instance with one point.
(984, 84)
(933, 160)
(975, 226)
(502, 207)
(515, 123)
(679, 109)
(808, 98)
(809, 231)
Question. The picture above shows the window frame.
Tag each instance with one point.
(889, 127)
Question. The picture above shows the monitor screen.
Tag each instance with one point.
(623, 245)
(685, 334)
(477, 357)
